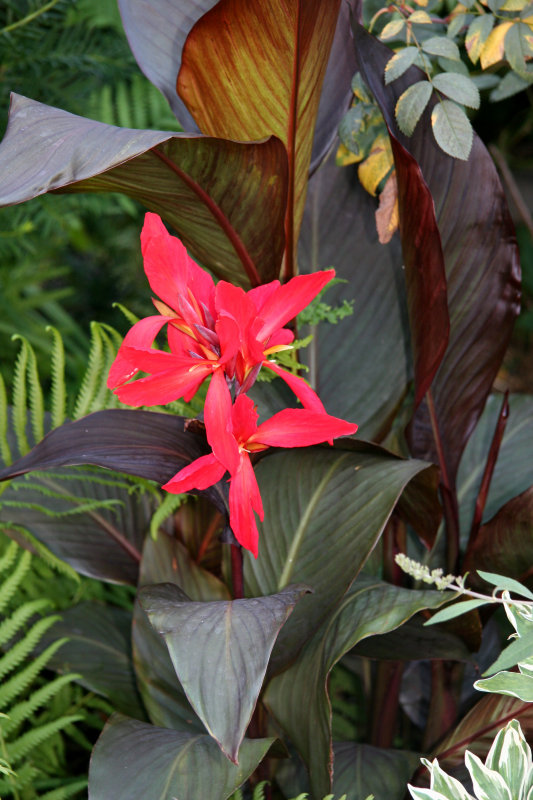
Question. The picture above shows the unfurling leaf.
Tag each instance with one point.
(493, 49)
(399, 63)
(441, 46)
(452, 129)
(387, 215)
(411, 105)
(477, 35)
(457, 87)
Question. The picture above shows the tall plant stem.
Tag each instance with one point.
(385, 702)
(237, 574)
(449, 498)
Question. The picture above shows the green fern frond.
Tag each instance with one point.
(92, 375)
(11, 584)
(130, 316)
(37, 547)
(5, 450)
(169, 504)
(8, 559)
(102, 395)
(58, 392)
(19, 407)
(33, 738)
(22, 680)
(66, 791)
(83, 507)
(10, 626)
(22, 649)
(34, 390)
(23, 710)
(24, 777)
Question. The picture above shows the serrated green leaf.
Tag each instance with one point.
(452, 129)
(501, 582)
(455, 611)
(518, 49)
(458, 88)
(411, 105)
(441, 46)
(399, 63)
(392, 29)
(477, 34)
(512, 684)
(510, 85)
(449, 65)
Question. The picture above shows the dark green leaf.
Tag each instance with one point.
(457, 88)
(136, 761)
(360, 770)
(220, 651)
(298, 697)
(191, 181)
(302, 541)
(413, 641)
(479, 249)
(519, 650)
(411, 105)
(98, 647)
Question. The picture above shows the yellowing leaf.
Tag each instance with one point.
(422, 3)
(493, 50)
(374, 168)
(477, 35)
(420, 17)
(392, 29)
(388, 214)
(344, 157)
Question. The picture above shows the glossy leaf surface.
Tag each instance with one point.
(157, 762)
(299, 698)
(269, 61)
(220, 651)
(300, 491)
(482, 268)
(226, 200)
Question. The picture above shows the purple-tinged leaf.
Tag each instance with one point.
(251, 69)
(156, 31)
(157, 762)
(360, 367)
(143, 443)
(298, 697)
(226, 200)
(220, 651)
(481, 260)
(360, 770)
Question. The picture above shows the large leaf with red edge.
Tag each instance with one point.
(360, 367)
(225, 199)
(481, 261)
(135, 761)
(250, 69)
(324, 512)
(220, 651)
(298, 697)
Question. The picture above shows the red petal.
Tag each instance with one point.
(301, 389)
(218, 428)
(200, 474)
(244, 499)
(244, 418)
(141, 335)
(157, 390)
(155, 361)
(260, 294)
(290, 299)
(300, 428)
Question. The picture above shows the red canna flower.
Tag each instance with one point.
(233, 434)
(209, 328)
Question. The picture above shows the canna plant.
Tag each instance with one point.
(282, 574)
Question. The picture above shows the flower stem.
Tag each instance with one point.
(237, 574)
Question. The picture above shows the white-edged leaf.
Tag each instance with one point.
(455, 611)
(392, 29)
(411, 105)
(441, 46)
(444, 783)
(458, 88)
(488, 784)
(510, 683)
(425, 794)
(399, 63)
(477, 34)
(452, 129)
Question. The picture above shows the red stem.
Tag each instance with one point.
(218, 214)
(489, 469)
(237, 573)
(449, 499)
